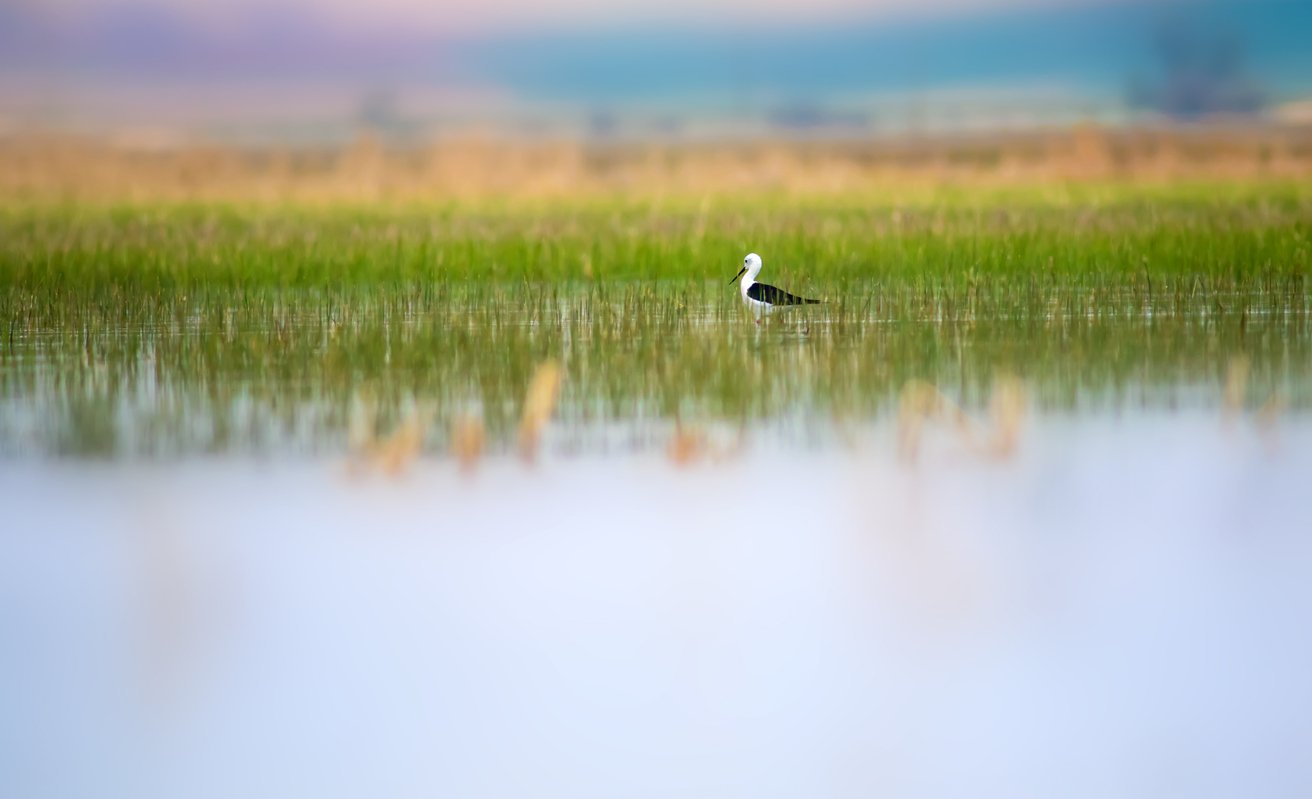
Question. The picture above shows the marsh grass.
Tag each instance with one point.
(177, 329)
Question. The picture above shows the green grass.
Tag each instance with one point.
(182, 328)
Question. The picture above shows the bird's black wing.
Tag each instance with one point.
(776, 296)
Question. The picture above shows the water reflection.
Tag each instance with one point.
(1117, 608)
(291, 371)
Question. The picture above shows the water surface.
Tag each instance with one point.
(292, 372)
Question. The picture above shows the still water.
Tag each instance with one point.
(297, 373)
(1059, 556)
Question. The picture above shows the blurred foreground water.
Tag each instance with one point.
(833, 557)
(1118, 609)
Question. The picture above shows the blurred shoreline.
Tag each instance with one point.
(53, 167)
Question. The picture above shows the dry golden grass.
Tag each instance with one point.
(921, 402)
(539, 404)
(468, 439)
(50, 167)
(398, 450)
(1234, 399)
(391, 454)
(1007, 412)
(1268, 417)
(686, 445)
(1235, 392)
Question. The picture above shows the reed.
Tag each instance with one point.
(158, 328)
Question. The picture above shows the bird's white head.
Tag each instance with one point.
(751, 265)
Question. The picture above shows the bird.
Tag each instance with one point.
(760, 298)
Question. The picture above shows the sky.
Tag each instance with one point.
(459, 16)
(215, 63)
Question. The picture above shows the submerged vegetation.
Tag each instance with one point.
(202, 327)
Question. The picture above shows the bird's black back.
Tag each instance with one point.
(776, 296)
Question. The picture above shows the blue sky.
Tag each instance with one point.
(585, 54)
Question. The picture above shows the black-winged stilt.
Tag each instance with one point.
(762, 299)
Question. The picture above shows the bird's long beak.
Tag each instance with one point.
(740, 274)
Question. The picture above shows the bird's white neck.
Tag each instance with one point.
(749, 278)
